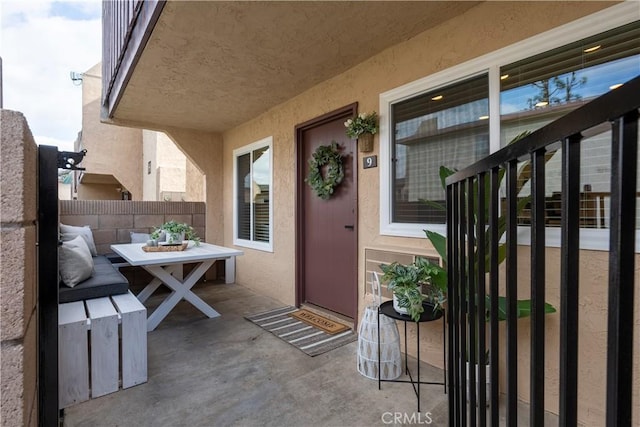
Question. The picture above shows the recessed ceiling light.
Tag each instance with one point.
(542, 104)
(615, 86)
(592, 49)
(437, 98)
(504, 77)
(483, 117)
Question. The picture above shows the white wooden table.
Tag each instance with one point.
(166, 268)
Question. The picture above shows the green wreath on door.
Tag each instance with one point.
(329, 156)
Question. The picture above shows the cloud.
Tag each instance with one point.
(42, 42)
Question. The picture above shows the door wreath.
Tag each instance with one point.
(325, 155)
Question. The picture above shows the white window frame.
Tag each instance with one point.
(248, 149)
(490, 63)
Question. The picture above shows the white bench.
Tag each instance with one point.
(94, 337)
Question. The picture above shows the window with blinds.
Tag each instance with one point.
(253, 207)
(444, 127)
(540, 89)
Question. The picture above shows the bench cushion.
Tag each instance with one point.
(105, 281)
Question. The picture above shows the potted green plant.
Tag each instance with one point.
(439, 242)
(413, 284)
(175, 232)
(363, 127)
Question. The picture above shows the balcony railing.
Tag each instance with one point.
(473, 221)
(126, 27)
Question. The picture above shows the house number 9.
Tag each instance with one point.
(370, 162)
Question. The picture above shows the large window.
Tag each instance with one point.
(448, 127)
(540, 89)
(253, 211)
(495, 97)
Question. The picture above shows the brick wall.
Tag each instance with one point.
(112, 221)
(18, 266)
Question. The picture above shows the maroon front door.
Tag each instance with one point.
(327, 229)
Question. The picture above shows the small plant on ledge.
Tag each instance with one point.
(175, 232)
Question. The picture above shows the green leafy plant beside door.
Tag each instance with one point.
(415, 283)
(440, 243)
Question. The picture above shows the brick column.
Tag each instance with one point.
(18, 266)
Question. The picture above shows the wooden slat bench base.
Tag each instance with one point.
(95, 337)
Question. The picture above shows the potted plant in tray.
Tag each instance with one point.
(413, 284)
(175, 232)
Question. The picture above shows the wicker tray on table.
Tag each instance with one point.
(166, 248)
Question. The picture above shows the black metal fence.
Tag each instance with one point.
(50, 160)
(476, 247)
(47, 286)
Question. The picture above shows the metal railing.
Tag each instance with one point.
(473, 222)
(126, 27)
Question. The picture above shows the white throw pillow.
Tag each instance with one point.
(140, 237)
(68, 232)
(74, 261)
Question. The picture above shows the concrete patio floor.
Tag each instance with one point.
(227, 371)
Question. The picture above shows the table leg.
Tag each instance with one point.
(163, 310)
(180, 290)
(230, 270)
(194, 299)
(155, 283)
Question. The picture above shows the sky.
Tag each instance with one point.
(41, 42)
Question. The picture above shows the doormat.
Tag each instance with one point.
(306, 337)
(314, 319)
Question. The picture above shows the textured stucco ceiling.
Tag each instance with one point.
(213, 65)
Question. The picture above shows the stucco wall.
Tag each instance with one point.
(90, 191)
(171, 169)
(481, 30)
(168, 167)
(205, 151)
(487, 27)
(18, 334)
(64, 191)
(149, 155)
(111, 150)
(493, 25)
(195, 191)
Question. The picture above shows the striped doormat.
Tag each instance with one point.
(305, 337)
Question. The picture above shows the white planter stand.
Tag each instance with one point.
(390, 355)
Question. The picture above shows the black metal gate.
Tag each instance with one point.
(49, 161)
(472, 229)
(48, 285)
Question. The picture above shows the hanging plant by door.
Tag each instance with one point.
(329, 156)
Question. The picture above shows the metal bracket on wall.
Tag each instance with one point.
(70, 160)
